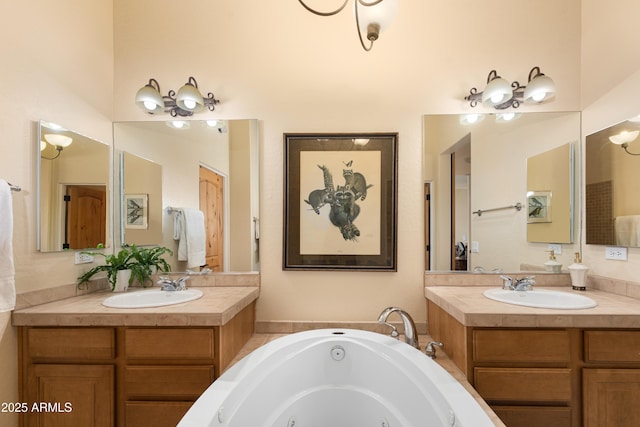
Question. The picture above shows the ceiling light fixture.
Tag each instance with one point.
(187, 101)
(624, 138)
(60, 142)
(372, 17)
(500, 94)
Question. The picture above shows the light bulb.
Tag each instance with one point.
(190, 104)
(150, 105)
(539, 96)
(497, 98)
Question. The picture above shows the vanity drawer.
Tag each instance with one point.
(156, 414)
(70, 343)
(164, 344)
(534, 416)
(167, 382)
(521, 346)
(523, 384)
(612, 346)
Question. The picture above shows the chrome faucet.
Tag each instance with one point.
(410, 332)
(430, 350)
(523, 284)
(166, 284)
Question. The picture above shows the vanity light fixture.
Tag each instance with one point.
(178, 124)
(501, 94)
(624, 138)
(471, 118)
(507, 117)
(187, 101)
(372, 17)
(59, 141)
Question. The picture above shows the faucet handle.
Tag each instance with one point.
(430, 350)
(507, 282)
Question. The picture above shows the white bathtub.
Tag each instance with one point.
(336, 378)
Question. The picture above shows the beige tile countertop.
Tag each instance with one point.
(470, 307)
(216, 307)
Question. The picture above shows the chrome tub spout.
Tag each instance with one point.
(410, 332)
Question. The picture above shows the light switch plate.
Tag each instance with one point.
(81, 258)
(615, 252)
(555, 247)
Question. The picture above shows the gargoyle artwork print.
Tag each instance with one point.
(340, 201)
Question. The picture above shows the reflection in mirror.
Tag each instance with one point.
(141, 200)
(204, 165)
(612, 181)
(550, 196)
(481, 165)
(73, 183)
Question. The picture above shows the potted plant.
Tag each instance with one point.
(128, 264)
(147, 261)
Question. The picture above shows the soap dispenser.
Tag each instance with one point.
(552, 265)
(578, 272)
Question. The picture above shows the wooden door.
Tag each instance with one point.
(71, 395)
(87, 216)
(212, 205)
(610, 397)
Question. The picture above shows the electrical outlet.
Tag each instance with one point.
(615, 252)
(475, 246)
(83, 258)
(555, 247)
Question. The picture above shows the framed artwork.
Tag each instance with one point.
(538, 206)
(340, 201)
(136, 211)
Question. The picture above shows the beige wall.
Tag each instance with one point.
(56, 67)
(296, 73)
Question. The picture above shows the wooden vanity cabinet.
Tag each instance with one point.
(124, 376)
(611, 378)
(67, 376)
(547, 376)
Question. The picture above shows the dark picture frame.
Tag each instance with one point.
(340, 201)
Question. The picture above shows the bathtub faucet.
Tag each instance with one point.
(410, 332)
(166, 284)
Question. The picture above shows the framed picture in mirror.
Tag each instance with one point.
(136, 211)
(340, 201)
(539, 206)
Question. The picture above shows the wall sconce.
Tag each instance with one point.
(60, 142)
(372, 17)
(187, 101)
(501, 94)
(624, 138)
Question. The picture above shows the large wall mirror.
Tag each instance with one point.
(206, 165)
(612, 185)
(477, 172)
(73, 190)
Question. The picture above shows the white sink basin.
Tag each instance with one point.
(541, 298)
(151, 298)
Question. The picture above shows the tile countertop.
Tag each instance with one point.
(467, 305)
(216, 307)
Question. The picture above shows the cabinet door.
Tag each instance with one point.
(71, 395)
(610, 397)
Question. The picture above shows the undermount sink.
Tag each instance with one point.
(541, 298)
(151, 298)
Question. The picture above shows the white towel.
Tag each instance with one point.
(627, 230)
(188, 229)
(7, 271)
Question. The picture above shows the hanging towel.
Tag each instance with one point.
(7, 272)
(627, 230)
(188, 229)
